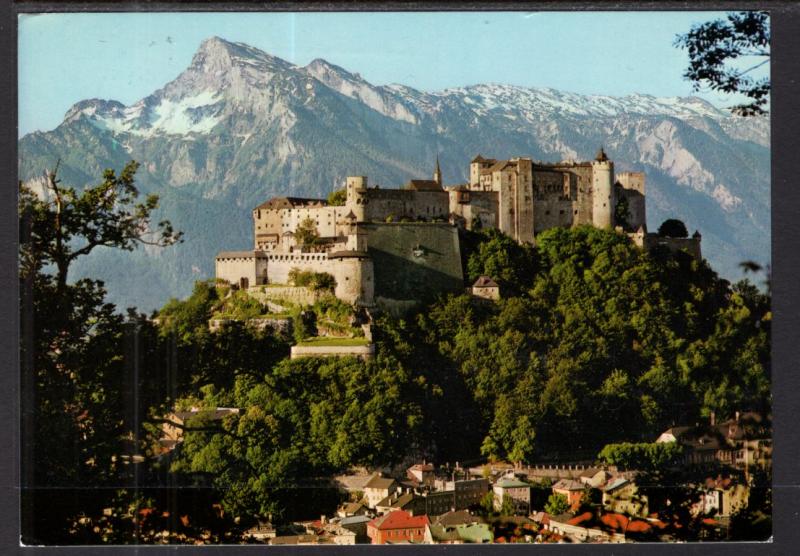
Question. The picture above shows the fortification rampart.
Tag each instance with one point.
(365, 351)
(295, 294)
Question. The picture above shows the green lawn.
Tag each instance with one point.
(326, 341)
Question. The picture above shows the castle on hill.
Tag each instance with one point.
(392, 246)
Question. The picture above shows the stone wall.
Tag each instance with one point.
(279, 325)
(689, 244)
(242, 268)
(414, 261)
(470, 205)
(354, 276)
(295, 294)
(365, 352)
(405, 203)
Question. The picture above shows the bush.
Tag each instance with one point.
(673, 228)
(556, 504)
(315, 281)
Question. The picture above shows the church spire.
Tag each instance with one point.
(437, 174)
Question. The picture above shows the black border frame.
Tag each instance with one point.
(785, 127)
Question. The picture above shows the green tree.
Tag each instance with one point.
(507, 506)
(723, 52)
(500, 257)
(337, 198)
(645, 456)
(673, 227)
(64, 224)
(487, 503)
(306, 234)
(79, 359)
(73, 374)
(556, 504)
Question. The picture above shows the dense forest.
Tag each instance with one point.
(593, 342)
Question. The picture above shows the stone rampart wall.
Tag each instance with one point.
(365, 352)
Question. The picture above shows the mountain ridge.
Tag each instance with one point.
(239, 125)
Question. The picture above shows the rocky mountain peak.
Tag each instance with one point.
(94, 107)
(325, 71)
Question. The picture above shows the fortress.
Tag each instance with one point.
(396, 246)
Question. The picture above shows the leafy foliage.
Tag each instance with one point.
(304, 418)
(605, 333)
(306, 233)
(337, 198)
(64, 224)
(673, 227)
(557, 504)
(500, 257)
(716, 46)
(315, 281)
(646, 456)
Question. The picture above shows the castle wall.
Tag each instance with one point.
(553, 210)
(267, 227)
(414, 261)
(405, 203)
(242, 268)
(295, 294)
(636, 207)
(330, 220)
(633, 189)
(354, 277)
(475, 204)
(501, 182)
(365, 351)
(580, 176)
(689, 244)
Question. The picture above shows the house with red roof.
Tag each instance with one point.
(399, 527)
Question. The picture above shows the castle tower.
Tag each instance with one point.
(357, 196)
(437, 174)
(602, 190)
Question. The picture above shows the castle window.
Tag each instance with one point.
(576, 212)
(561, 212)
(547, 212)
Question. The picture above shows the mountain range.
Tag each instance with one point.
(239, 126)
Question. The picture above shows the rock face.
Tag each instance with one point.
(239, 126)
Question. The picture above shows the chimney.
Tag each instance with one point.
(323, 519)
(737, 416)
(712, 419)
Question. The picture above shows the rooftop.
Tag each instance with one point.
(568, 484)
(511, 482)
(399, 519)
(290, 202)
(376, 481)
(485, 282)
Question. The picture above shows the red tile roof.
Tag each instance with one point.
(578, 519)
(399, 519)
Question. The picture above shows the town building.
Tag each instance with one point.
(486, 288)
(399, 527)
(570, 489)
(518, 491)
(378, 488)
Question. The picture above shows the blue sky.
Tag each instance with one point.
(64, 58)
